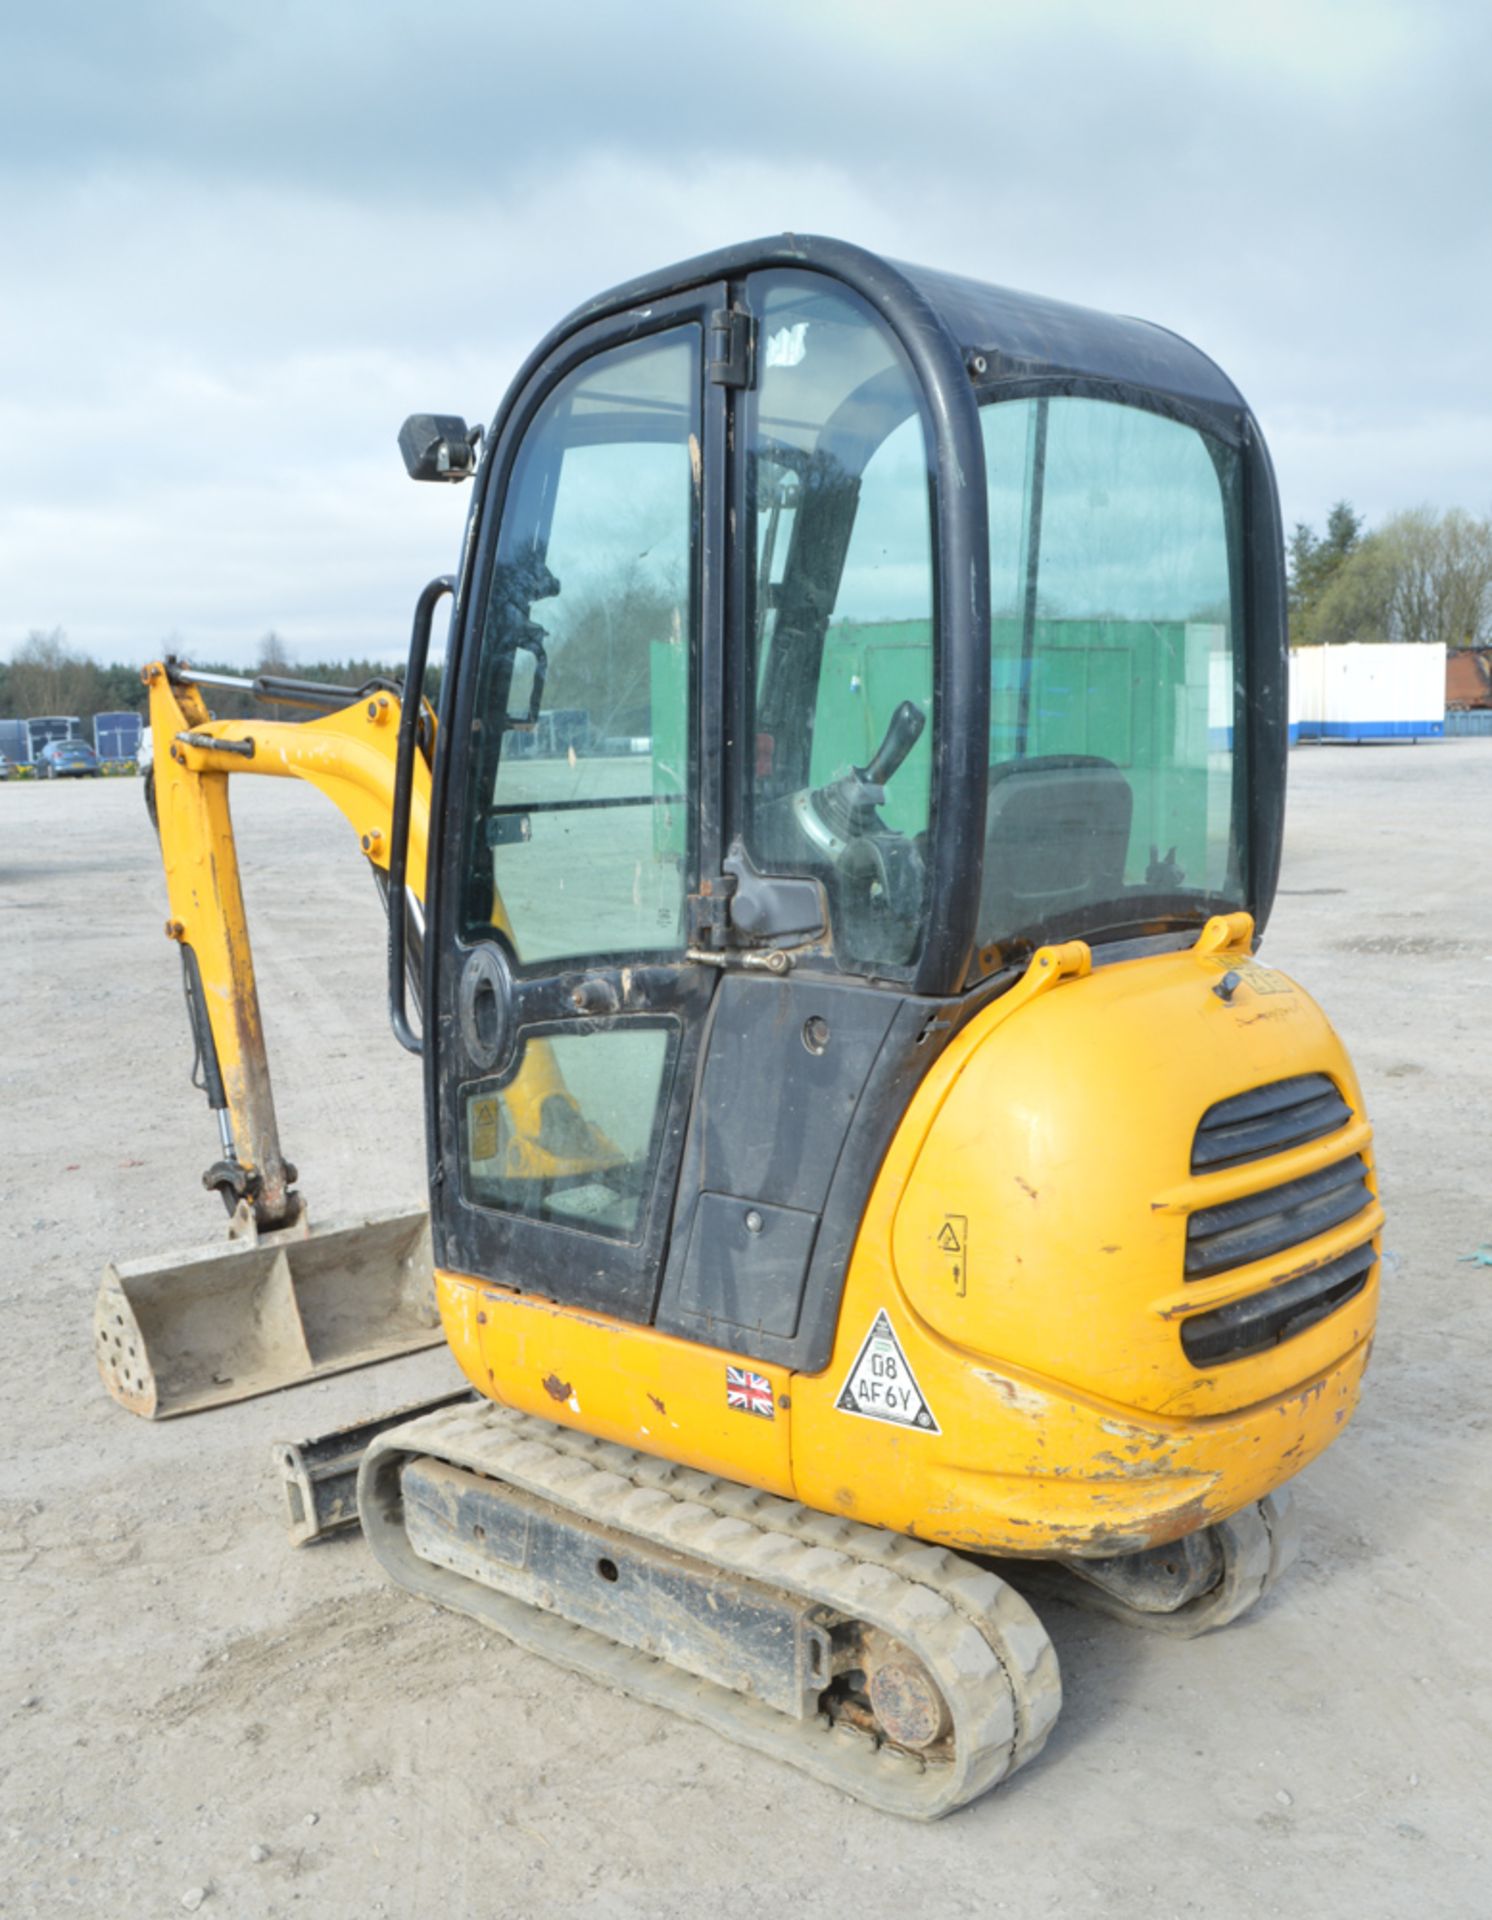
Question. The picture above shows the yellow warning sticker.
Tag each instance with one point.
(953, 1244)
(482, 1116)
(1263, 979)
(1251, 972)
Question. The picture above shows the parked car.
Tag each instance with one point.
(67, 759)
(145, 752)
(4, 767)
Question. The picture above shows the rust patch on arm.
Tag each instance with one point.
(556, 1388)
(657, 1403)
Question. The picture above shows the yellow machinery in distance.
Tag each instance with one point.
(867, 1159)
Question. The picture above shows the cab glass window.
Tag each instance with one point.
(1116, 781)
(577, 830)
(841, 616)
(572, 1137)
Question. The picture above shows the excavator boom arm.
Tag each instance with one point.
(348, 754)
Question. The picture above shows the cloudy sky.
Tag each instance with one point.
(239, 242)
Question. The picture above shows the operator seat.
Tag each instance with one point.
(1056, 835)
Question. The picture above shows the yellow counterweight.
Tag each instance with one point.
(1019, 1281)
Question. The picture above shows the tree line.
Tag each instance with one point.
(46, 675)
(1421, 576)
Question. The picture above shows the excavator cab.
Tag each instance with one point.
(866, 1155)
(833, 636)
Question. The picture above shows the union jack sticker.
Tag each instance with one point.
(749, 1392)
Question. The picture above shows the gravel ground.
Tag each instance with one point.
(194, 1716)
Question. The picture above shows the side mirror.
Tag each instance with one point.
(438, 446)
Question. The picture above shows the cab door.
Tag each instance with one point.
(578, 814)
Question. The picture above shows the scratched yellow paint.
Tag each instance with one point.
(1025, 1240)
(1055, 1134)
(623, 1382)
(1064, 1133)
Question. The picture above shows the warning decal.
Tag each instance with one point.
(880, 1384)
(953, 1240)
(483, 1119)
(1253, 973)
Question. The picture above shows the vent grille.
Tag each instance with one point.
(1265, 1320)
(1266, 1120)
(1241, 1231)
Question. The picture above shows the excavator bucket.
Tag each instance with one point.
(226, 1322)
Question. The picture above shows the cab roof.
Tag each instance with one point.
(1019, 337)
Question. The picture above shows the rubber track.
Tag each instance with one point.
(983, 1645)
(1258, 1544)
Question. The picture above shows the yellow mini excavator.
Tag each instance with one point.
(867, 1160)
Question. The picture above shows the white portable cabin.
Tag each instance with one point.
(1368, 691)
